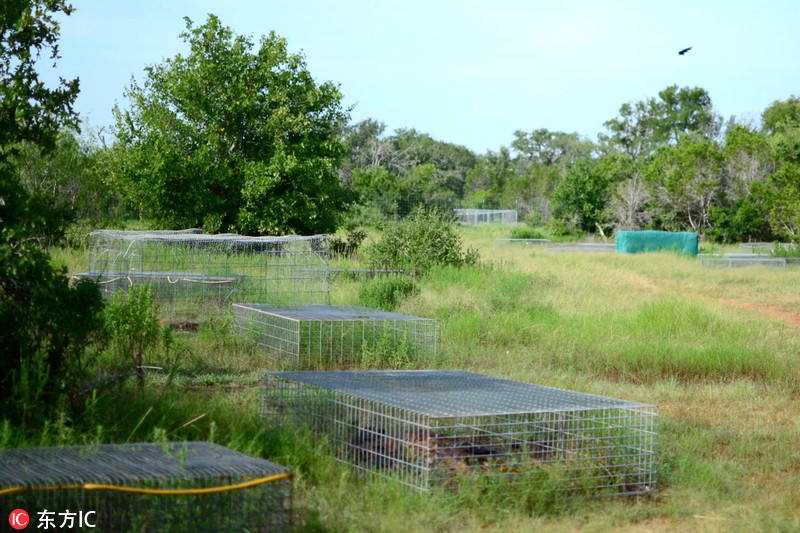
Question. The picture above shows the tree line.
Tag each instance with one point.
(235, 135)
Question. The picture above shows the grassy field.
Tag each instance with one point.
(718, 350)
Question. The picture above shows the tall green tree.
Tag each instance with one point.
(45, 323)
(686, 180)
(232, 137)
(781, 116)
(642, 127)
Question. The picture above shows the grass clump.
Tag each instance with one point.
(386, 292)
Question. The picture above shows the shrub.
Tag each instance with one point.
(348, 247)
(386, 292)
(526, 232)
(133, 329)
(416, 243)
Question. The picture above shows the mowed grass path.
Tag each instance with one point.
(718, 350)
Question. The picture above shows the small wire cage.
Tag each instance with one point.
(192, 486)
(194, 273)
(475, 217)
(431, 428)
(322, 335)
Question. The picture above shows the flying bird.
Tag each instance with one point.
(684, 51)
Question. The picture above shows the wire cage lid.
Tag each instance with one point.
(450, 393)
(184, 236)
(128, 464)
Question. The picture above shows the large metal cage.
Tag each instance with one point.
(193, 273)
(323, 335)
(474, 217)
(191, 486)
(432, 428)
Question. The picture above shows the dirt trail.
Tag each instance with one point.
(768, 310)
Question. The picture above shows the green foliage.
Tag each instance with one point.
(133, 329)
(781, 116)
(230, 138)
(66, 185)
(46, 324)
(347, 247)
(526, 232)
(386, 292)
(746, 220)
(686, 181)
(580, 199)
(416, 243)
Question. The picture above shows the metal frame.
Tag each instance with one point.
(322, 335)
(474, 217)
(193, 274)
(431, 429)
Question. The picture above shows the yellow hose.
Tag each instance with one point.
(156, 492)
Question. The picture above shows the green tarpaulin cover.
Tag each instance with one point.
(632, 242)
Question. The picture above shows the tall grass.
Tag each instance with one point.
(701, 344)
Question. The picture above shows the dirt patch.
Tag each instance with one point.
(766, 310)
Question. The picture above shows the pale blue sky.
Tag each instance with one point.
(468, 72)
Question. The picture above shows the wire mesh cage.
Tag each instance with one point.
(742, 260)
(431, 428)
(194, 273)
(191, 486)
(474, 217)
(321, 335)
(765, 247)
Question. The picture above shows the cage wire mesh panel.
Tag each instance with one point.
(474, 217)
(193, 273)
(742, 260)
(318, 334)
(192, 486)
(430, 428)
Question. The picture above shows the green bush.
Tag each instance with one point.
(133, 329)
(416, 243)
(526, 232)
(386, 292)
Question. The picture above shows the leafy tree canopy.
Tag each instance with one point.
(232, 138)
(45, 322)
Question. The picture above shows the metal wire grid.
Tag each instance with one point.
(196, 272)
(432, 429)
(321, 335)
(742, 260)
(474, 217)
(60, 479)
(764, 247)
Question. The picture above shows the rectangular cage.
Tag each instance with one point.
(194, 273)
(190, 486)
(431, 428)
(474, 217)
(321, 335)
(742, 260)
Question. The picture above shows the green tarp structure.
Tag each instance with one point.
(631, 242)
